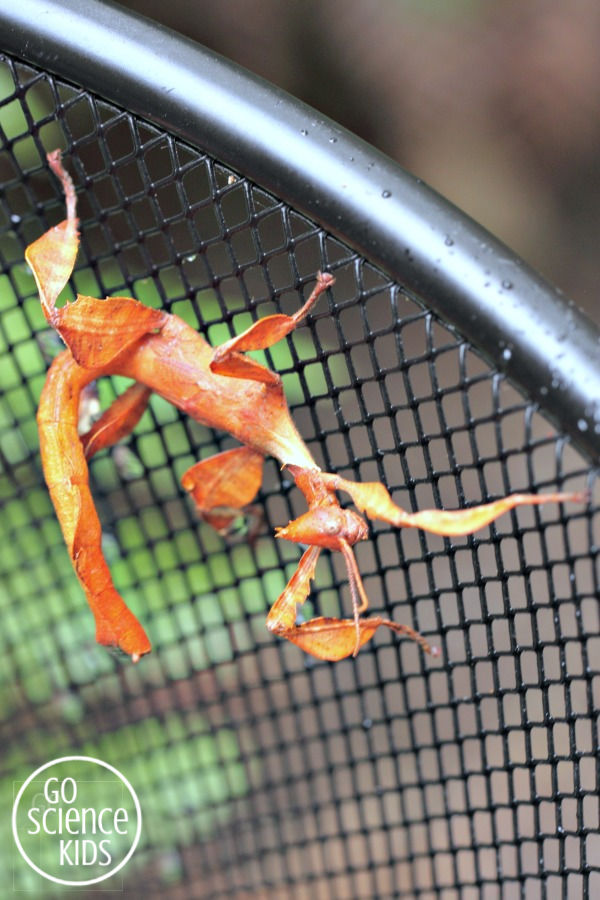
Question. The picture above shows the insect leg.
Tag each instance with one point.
(229, 360)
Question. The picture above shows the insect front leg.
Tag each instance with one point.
(325, 637)
(326, 525)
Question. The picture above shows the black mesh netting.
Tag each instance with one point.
(261, 772)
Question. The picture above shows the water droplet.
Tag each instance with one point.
(448, 241)
(507, 285)
(582, 425)
(386, 194)
(333, 140)
(15, 218)
(506, 353)
(191, 258)
(367, 723)
(556, 381)
(303, 132)
(543, 390)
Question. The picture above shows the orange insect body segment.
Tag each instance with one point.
(223, 389)
(325, 526)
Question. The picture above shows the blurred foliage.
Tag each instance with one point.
(185, 775)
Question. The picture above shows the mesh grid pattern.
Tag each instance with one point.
(260, 771)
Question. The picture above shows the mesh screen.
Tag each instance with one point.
(262, 772)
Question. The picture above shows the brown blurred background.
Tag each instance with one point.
(496, 105)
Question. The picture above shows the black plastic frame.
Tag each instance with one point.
(516, 319)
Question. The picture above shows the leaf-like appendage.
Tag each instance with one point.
(97, 331)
